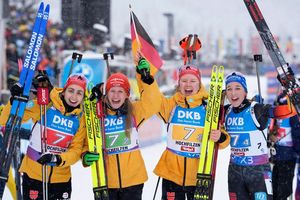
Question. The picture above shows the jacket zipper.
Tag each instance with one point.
(184, 172)
(186, 103)
(119, 171)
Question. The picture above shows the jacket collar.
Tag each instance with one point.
(193, 100)
(57, 102)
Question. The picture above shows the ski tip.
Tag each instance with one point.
(214, 68)
(47, 9)
(221, 69)
(41, 7)
(46, 12)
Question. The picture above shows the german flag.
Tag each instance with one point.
(142, 42)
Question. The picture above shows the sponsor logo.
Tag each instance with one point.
(62, 121)
(188, 115)
(235, 121)
(113, 122)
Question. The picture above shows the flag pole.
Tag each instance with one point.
(136, 35)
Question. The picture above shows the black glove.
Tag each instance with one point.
(288, 77)
(96, 92)
(50, 159)
(15, 90)
(41, 80)
(290, 71)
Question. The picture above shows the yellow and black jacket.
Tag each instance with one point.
(124, 163)
(184, 116)
(65, 136)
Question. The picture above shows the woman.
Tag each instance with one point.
(126, 172)
(249, 172)
(184, 114)
(65, 138)
(285, 135)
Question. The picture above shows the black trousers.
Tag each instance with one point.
(33, 189)
(172, 191)
(132, 193)
(250, 182)
(282, 180)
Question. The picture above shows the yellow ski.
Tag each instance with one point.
(95, 141)
(204, 186)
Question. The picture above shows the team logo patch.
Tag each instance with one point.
(260, 196)
(33, 194)
(171, 195)
(232, 196)
(65, 195)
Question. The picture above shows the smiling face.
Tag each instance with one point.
(116, 97)
(73, 95)
(189, 84)
(235, 93)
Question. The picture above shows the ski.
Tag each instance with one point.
(285, 74)
(209, 150)
(13, 124)
(94, 128)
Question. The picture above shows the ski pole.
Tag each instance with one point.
(43, 101)
(156, 187)
(99, 104)
(184, 44)
(195, 47)
(257, 59)
(75, 56)
(16, 162)
(192, 48)
(189, 51)
(106, 58)
(16, 165)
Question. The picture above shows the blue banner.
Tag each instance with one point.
(94, 69)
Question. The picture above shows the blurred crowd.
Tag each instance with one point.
(58, 37)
